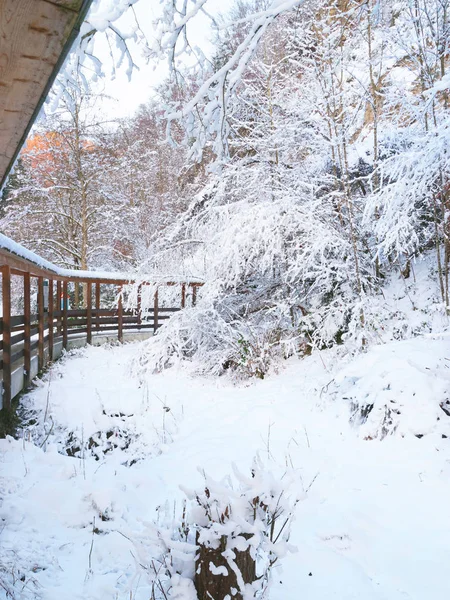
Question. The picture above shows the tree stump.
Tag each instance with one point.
(221, 581)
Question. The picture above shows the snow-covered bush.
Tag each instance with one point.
(211, 344)
(226, 541)
(279, 273)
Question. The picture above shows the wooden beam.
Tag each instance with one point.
(183, 295)
(19, 264)
(65, 301)
(58, 305)
(89, 312)
(120, 318)
(139, 305)
(155, 312)
(50, 319)
(97, 305)
(35, 38)
(40, 323)
(27, 329)
(6, 303)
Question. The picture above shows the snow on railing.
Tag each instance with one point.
(22, 253)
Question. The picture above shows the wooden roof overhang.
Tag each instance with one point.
(35, 38)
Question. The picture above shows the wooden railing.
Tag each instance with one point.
(33, 339)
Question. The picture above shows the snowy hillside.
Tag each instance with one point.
(77, 526)
(287, 430)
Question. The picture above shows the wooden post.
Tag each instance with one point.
(50, 319)
(27, 329)
(183, 295)
(58, 306)
(194, 295)
(139, 305)
(6, 301)
(155, 312)
(97, 304)
(120, 318)
(64, 317)
(89, 312)
(40, 323)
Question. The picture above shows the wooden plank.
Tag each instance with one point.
(17, 321)
(74, 5)
(58, 306)
(155, 312)
(97, 304)
(15, 339)
(120, 318)
(40, 323)
(139, 305)
(89, 311)
(6, 305)
(50, 319)
(15, 357)
(183, 295)
(64, 316)
(81, 312)
(35, 36)
(72, 323)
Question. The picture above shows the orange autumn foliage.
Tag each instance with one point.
(47, 153)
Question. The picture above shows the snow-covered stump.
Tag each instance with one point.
(226, 541)
(240, 533)
(213, 576)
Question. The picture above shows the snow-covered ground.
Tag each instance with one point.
(373, 519)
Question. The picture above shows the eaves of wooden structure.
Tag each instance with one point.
(35, 38)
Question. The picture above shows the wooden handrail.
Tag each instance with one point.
(20, 260)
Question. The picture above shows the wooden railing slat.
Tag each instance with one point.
(155, 311)
(6, 305)
(120, 318)
(27, 329)
(50, 319)
(97, 303)
(41, 323)
(89, 312)
(64, 318)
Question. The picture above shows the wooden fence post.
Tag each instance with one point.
(97, 305)
(40, 323)
(120, 318)
(50, 319)
(139, 305)
(155, 312)
(194, 295)
(89, 312)
(6, 302)
(58, 306)
(27, 329)
(183, 295)
(65, 302)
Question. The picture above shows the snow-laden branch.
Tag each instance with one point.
(205, 114)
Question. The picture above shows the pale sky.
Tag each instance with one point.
(128, 95)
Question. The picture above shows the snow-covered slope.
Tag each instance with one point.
(372, 522)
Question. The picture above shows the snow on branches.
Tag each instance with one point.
(205, 114)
